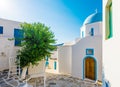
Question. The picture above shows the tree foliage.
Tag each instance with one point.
(37, 43)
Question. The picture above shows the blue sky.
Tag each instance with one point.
(65, 17)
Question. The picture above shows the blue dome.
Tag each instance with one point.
(96, 17)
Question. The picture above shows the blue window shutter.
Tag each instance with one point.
(1, 30)
(18, 34)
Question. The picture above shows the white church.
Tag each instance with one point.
(81, 58)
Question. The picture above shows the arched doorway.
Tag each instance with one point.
(90, 70)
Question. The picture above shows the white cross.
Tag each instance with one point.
(96, 10)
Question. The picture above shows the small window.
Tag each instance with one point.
(1, 30)
(109, 30)
(18, 34)
(55, 65)
(89, 51)
(82, 34)
(92, 32)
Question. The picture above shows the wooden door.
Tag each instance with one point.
(90, 68)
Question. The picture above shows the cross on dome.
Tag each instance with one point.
(96, 10)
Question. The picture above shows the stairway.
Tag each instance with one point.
(14, 69)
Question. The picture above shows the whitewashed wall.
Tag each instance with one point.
(64, 58)
(6, 45)
(79, 53)
(6, 48)
(82, 29)
(52, 59)
(111, 47)
(54, 54)
(8, 27)
(97, 26)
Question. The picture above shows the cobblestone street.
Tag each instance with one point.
(52, 80)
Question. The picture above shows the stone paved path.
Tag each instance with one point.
(52, 80)
(3, 75)
(58, 80)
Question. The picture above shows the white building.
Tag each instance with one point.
(82, 58)
(8, 30)
(111, 41)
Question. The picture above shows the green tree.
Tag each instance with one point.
(37, 43)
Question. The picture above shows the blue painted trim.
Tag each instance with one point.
(83, 67)
(55, 65)
(90, 49)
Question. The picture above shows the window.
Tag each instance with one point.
(55, 65)
(92, 32)
(82, 34)
(18, 34)
(109, 30)
(89, 51)
(1, 30)
(47, 61)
